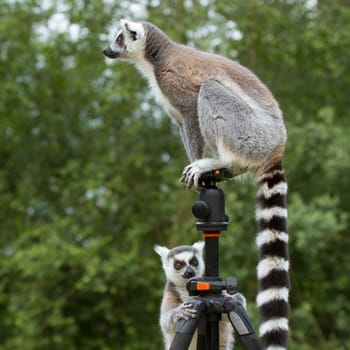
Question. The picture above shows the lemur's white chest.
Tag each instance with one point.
(148, 72)
(184, 296)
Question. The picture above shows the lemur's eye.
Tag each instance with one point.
(120, 40)
(194, 262)
(133, 35)
(178, 264)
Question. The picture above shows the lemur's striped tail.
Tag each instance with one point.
(272, 270)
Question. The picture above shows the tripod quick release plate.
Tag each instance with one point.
(210, 178)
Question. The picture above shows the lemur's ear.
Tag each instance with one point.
(199, 246)
(136, 29)
(161, 251)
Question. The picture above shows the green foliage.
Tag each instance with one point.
(90, 166)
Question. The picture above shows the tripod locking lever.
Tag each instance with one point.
(199, 286)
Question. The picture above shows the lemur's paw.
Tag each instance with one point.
(193, 172)
(191, 175)
(186, 312)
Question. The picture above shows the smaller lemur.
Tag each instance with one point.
(180, 264)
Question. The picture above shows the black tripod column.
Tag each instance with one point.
(210, 212)
(211, 251)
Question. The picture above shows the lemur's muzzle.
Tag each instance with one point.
(110, 53)
(189, 272)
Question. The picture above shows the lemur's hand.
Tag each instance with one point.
(185, 311)
(191, 175)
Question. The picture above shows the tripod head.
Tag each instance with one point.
(210, 208)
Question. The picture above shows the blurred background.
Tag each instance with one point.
(89, 169)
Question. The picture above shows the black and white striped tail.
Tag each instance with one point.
(272, 270)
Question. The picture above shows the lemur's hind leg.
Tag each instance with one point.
(217, 109)
(239, 132)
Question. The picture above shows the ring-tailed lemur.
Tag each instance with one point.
(223, 108)
(180, 264)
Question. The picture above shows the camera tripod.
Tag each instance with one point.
(208, 300)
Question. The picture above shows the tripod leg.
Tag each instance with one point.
(213, 331)
(201, 331)
(241, 323)
(185, 329)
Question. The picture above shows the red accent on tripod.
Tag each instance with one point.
(203, 286)
(211, 234)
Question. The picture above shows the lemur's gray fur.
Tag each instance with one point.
(227, 119)
(180, 264)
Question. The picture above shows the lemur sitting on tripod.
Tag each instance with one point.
(223, 108)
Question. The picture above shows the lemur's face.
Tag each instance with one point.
(128, 43)
(182, 263)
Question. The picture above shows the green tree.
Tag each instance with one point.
(90, 166)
